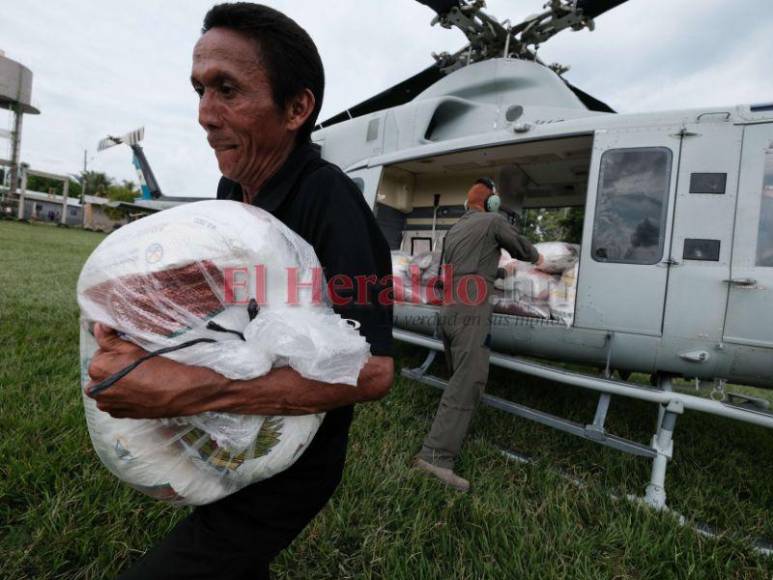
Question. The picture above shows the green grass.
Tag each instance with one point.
(62, 515)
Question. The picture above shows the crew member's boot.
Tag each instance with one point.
(447, 476)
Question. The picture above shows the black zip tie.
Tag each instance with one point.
(252, 309)
(212, 325)
(111, 380)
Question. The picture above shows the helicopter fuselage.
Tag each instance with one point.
(676, 263)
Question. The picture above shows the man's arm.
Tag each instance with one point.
(161, 387)
(518, 246)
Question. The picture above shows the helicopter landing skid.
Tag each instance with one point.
(759, 545)
(670, 405)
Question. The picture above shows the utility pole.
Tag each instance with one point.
(83, 189)
(15, 149)
(83, 177)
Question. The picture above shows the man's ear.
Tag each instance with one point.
(299, 109)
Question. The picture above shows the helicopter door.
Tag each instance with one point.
(701, 245)
(627, 231)
(367, 180)
(749, 314)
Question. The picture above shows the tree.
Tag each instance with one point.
(127, 191)
(55, 186)
(553, 224)
(75, 188)
(97, 183)
(44, 184)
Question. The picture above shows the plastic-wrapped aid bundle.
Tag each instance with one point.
(525, 292)
(563, 295)
(544, 291)
(557, 256)
(415, 277)
(188, 273)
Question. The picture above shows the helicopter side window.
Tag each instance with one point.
(631, 206)
(765, 230)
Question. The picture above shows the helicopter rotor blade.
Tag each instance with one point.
(482, 30)
(131, 138)
(593, 8)
(441, 7)
(590, 102)
(395, 95)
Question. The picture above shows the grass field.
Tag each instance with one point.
(62, 515)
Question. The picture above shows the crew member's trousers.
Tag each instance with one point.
(465, 332)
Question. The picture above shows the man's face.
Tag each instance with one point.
(244, 126)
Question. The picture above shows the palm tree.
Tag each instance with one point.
(97, 183)
(130, 186)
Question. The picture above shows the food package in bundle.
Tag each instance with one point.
(403, 269)
(507, 304)
(400, 261)
(557, 256)
(425, 294)
(181, 275)
(422, 260)
(416, 290)
(569, 277)
(510, 267)
(525, 293)
(429, 264)
(563, 296)
(412, 276)
(529, 282)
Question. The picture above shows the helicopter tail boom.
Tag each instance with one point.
(148, 184)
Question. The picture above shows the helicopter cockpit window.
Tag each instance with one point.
(765, 231)
(631, 206)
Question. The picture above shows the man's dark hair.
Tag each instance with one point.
(287, 52)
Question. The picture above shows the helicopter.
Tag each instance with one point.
(675, 271)
(676, 253)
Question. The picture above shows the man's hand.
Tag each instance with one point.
(159, 387)
(540, 261)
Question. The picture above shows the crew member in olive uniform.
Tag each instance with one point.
(471, 248)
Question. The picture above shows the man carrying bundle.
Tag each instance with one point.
(260, 83)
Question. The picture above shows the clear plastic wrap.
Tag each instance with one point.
(557, 256)
(525, 292)
(188, 273)
(413, 277)
(547, 291)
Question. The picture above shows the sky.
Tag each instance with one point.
(112, 66)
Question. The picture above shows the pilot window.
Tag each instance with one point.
(631, 206)
(420, 245)
(765, 230)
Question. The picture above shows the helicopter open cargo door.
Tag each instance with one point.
(627, 230)
(749, 318)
